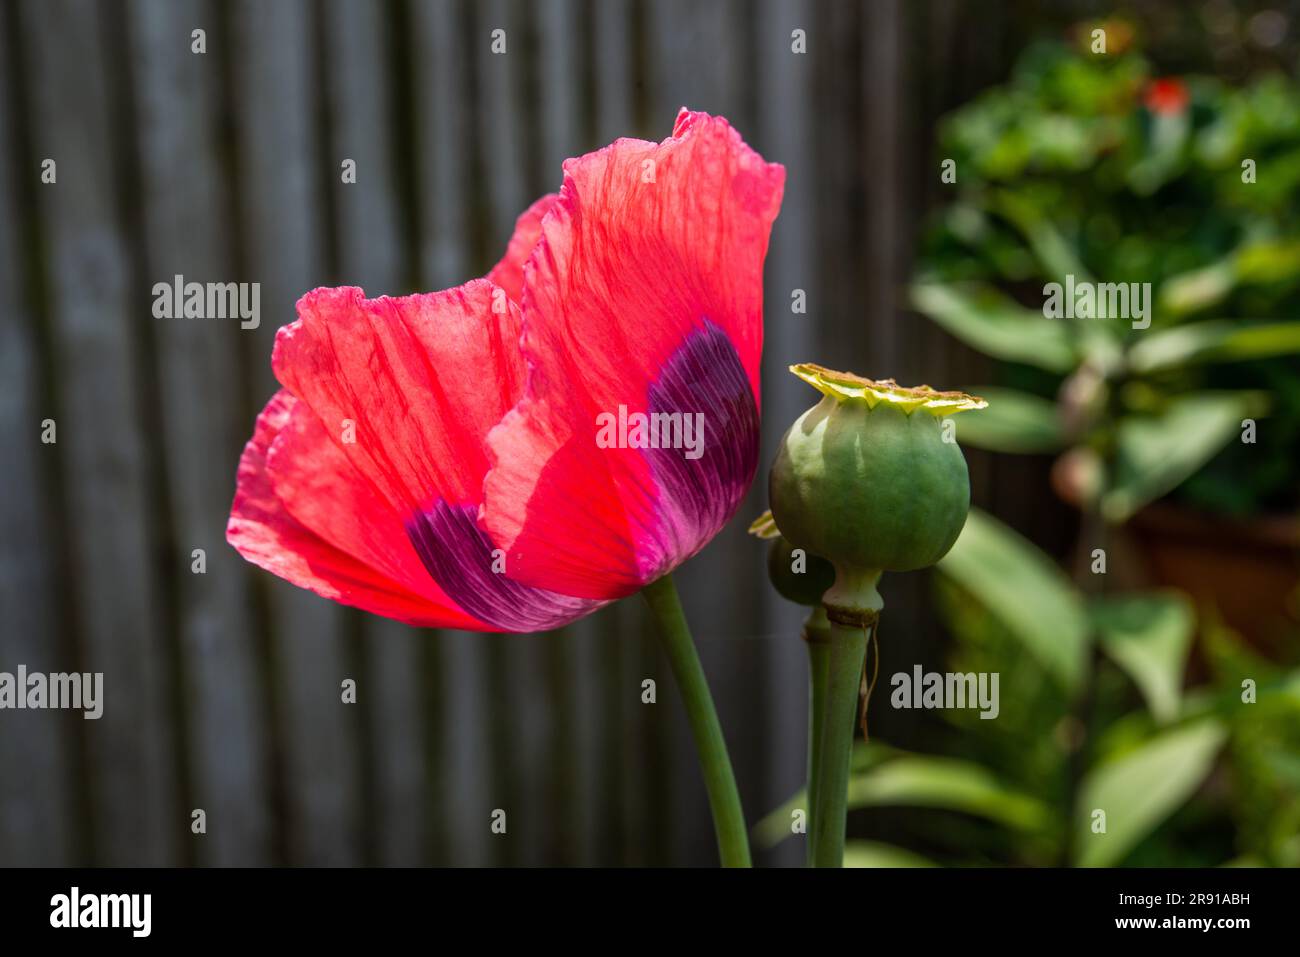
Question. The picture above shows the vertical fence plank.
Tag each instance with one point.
(500, 115)
(786, 136)
(881, 75)
(846, 325)
(369, 254)
(36, 747)
(441, 70)
(100, 437)
(280, 165)
(442, 67)
(612, 57)
(186, 227)
(559, 71)
(694, 59)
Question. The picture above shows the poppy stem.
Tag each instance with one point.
(853, 607)
(724, 799)
(817, 636)
(847, 651)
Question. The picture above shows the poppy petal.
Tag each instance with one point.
(319, 487)
(509, 272)
(263, 530)
(642, 296)
(406, 386)
(406, 390)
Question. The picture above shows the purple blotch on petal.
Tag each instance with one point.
(698, 496)
(458, 554)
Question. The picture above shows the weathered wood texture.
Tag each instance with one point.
(224, 687)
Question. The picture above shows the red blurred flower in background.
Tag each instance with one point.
(433, 458)
(1166, 96)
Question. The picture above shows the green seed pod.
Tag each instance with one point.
(871, 477)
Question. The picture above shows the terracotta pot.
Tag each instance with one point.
(1248, 569)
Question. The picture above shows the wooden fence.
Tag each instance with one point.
(223, 689)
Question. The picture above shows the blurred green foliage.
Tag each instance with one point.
(1128, 736)
(1186, 776)
(1093, 166)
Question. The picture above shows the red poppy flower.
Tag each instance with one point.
(1167, 96)
(435, 458)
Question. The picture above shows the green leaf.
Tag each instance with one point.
(988, 321)
(1148, 636)
(1197, 289)
(1256, 263)
(1014, 422)
(882, 776)
(1269, 261)
(1057, 256)
(1025, 591)
(1141, 788)
(876, 854)
(1215, 340)
(1156, 453)
(920, 780)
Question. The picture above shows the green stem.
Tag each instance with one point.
(848, 648)
(817, 636)
(724, 799)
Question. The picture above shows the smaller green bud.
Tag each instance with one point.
(796, 574)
